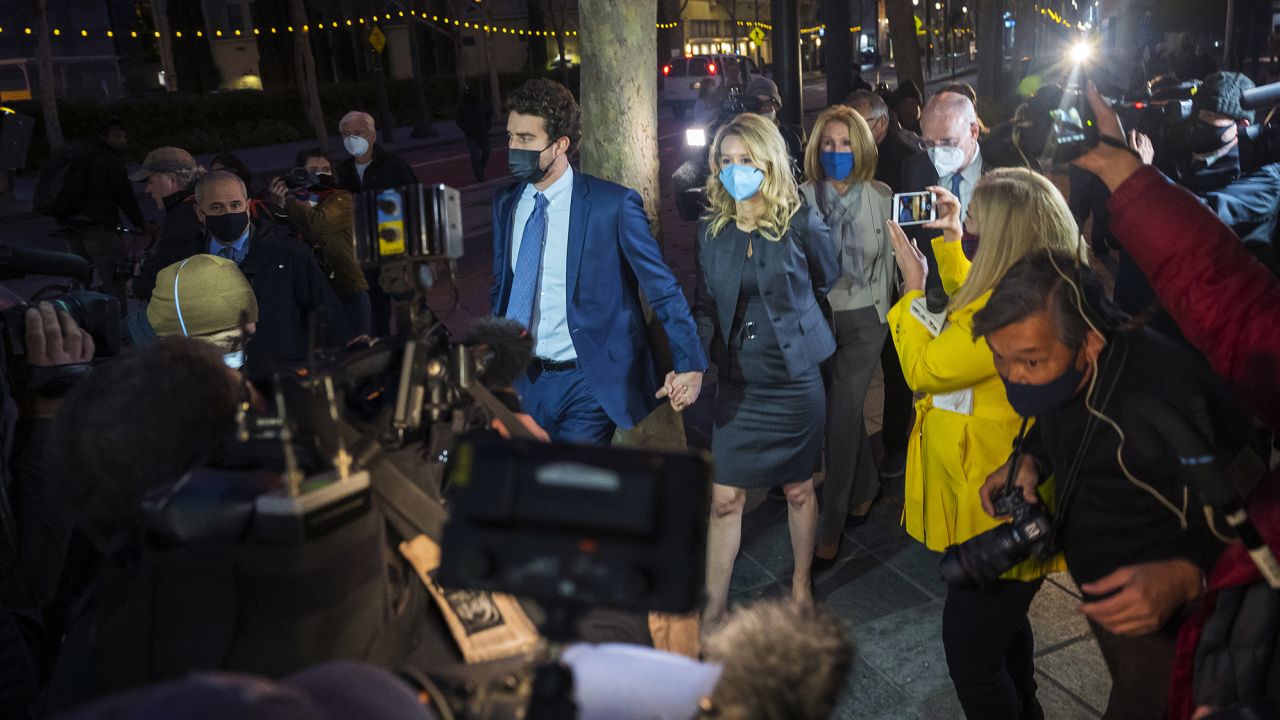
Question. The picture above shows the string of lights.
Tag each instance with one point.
(374, 19)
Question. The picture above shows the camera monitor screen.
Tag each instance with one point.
(914, 208)
(589, 526)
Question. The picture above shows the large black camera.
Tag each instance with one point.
(986, 556)
(299, 178)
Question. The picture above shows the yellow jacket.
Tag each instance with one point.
(953, 450)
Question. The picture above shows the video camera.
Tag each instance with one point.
(96, 313)
(299, 177)
(1167, 101)
(350, 468)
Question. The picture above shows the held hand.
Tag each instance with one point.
(1141, 144)
(910, 260)
(1145, 596)
(681, 388)
(53, 338)
(278, 191)
(1026, 480)
(1112, 164)
(948, 220)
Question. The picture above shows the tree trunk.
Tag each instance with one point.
(160, 15)
(305, 64)
(1024, 39)
(495, 92)
(990, 49)
(620, 94)
(48, 85)
(906, 51)
(619, 100)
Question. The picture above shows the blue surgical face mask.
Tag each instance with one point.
(1032, 400)
(837, 165)
(742, 182)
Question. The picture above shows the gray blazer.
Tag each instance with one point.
(794, 273)
(877, 207)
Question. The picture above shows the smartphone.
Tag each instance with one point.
(915, 208)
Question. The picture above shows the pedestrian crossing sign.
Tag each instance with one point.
(756, 35)
(377, 39)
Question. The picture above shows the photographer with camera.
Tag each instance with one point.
(761, 97)
(964, 424)
(323, 213)
(1215, 165)
(1134, 534)
(35, 527)
(1228, 305)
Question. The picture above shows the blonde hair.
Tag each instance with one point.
(865, 154)
(778, 190)
(1017, 212)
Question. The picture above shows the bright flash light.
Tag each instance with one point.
(1080, 52)
(695, 137)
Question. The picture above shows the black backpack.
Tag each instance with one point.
(63, 184)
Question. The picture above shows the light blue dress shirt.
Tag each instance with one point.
(240, 246)
(550, 323)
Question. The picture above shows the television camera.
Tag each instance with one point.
(396, 434)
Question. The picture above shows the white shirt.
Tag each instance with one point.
(970, 175)
(361, 168)
(550, 323)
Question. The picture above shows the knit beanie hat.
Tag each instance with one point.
(200, 296)
(1220, 93)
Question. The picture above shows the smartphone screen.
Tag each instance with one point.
(914, 208)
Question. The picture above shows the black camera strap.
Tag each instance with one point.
(1107, 386)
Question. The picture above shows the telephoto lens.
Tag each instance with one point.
(986, 556)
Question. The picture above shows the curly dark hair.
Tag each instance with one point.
(552, 102)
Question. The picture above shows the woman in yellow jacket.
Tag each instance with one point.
(964, 426)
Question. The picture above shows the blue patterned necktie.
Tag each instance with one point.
(524, 284)
(229, 253)
(956, 179)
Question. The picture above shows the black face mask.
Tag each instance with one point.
(227, 228)
(1205, 138)
(526, 165)
(1030, 400)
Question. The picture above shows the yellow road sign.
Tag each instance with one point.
(377, 39)
(756, 35)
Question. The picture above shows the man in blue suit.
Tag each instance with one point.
(571, 254)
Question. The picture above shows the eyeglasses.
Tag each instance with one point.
(944, 142)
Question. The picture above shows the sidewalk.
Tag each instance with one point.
(264, 160)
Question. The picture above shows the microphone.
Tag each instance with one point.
(18, 262)
(1261, 96)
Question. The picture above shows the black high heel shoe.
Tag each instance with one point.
(821, 564)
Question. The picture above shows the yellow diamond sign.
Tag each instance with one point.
(756, 35)
(377, 39)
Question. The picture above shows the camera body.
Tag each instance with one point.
(300, 177)
(986, 556)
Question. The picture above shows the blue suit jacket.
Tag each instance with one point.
(612, 257)
(794, 273)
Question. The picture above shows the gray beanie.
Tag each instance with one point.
(1220, 93)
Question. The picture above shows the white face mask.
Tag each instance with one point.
(355, 145)
(946, 159)
(771, 115)
(234, 360)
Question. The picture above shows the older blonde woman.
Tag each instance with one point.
(765, 259)
(964, 427)
(840, 164)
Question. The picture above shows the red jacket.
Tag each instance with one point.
(1227, 305)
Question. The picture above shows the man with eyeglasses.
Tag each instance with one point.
(952, 159)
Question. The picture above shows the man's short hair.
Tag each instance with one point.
(178, 399)
(552, 102)
(874, 105)
(360, 115)
(953, 104)
(304, 155)
(1052, 282)
(782, 660)
(961, 88)
(218, 177)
